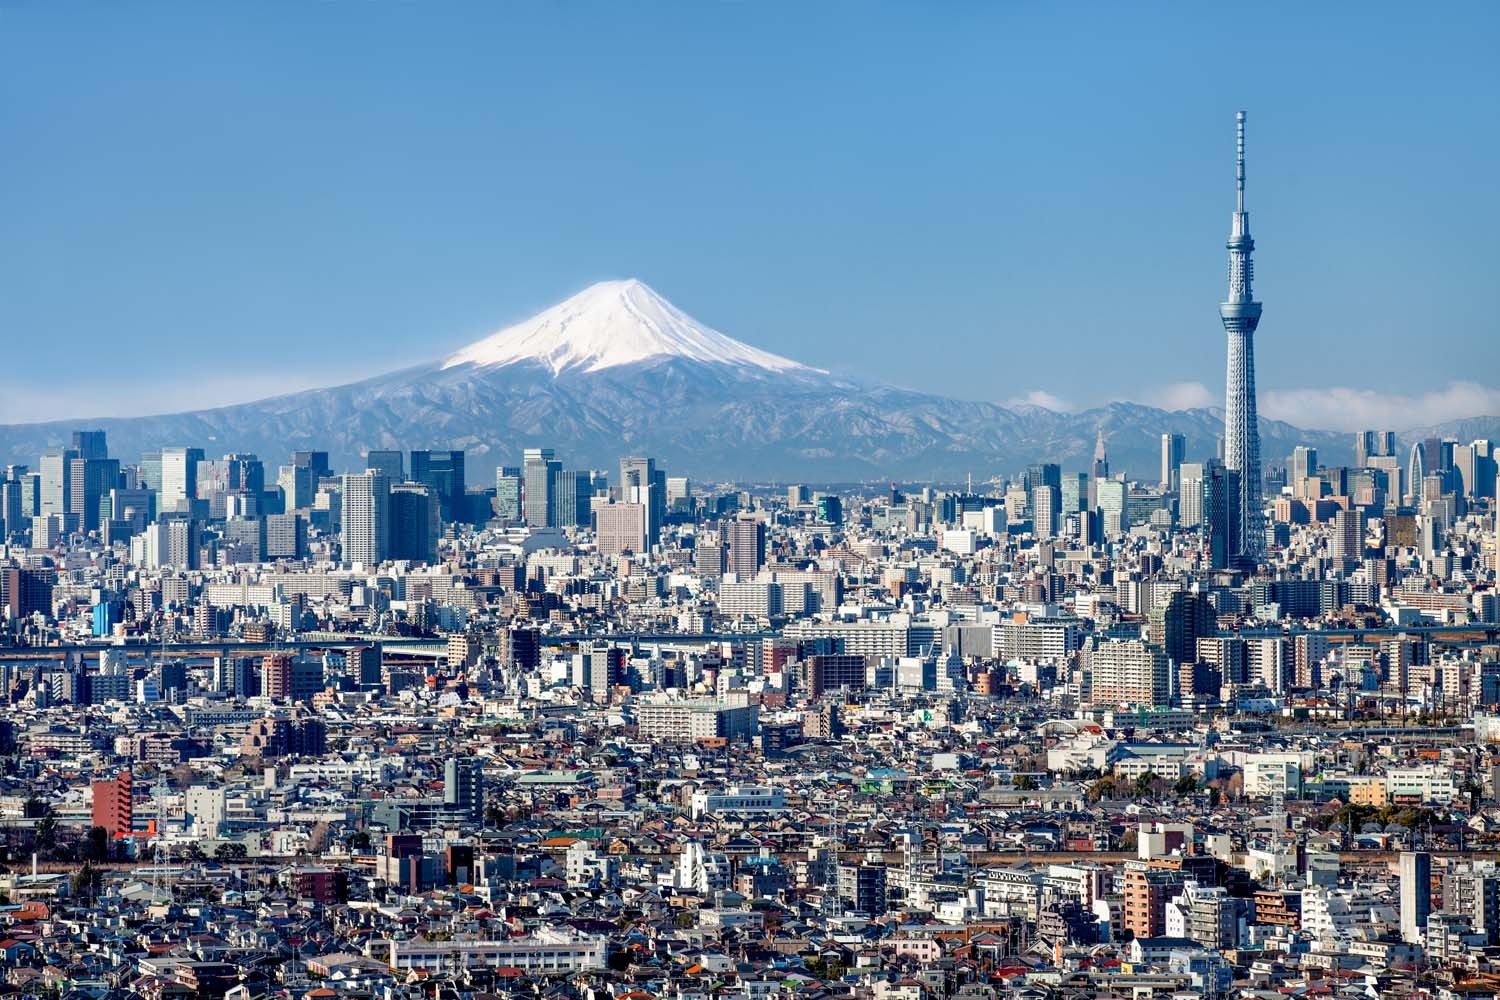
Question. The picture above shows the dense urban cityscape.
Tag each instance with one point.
(1211, 728)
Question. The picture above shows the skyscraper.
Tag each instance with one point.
(1415, 869)
(57, 481)
(90, 444)
(366, 518)
(414, 523)
(1416, 469)
(392, 463)
(1304, 464)
(1190, 494)
(642, 482)
(179, 477)
(1222, 494)
(539, 471)
(442, 472)
(508, 493)
(746, 537)
(1241, 315)
(1372, 444)
(1173, 451)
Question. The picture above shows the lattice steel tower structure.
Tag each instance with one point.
(1241, 315)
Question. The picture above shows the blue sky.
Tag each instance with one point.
(205, 202)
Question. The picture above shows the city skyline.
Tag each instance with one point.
(343, 262)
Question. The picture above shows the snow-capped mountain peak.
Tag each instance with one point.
(610, 324)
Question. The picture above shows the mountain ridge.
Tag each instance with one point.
(636, 374)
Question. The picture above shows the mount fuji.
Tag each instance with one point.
(617, 369)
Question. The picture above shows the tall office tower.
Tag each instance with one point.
(286, 536)
(1173, 451)
(90, 444)
(1222, 496)
(572, 497)
(746, 540)
(31, 494)
(57, 481)
(1370, 444)
(298, 488)
(1046, 511)
(181, 543)
(367, 518)
(1347, 543)
(316, 462)
(414, 524)
(1101, 458)
(443, 472)
(1190, 495)
(1304, 465)
(539, 469)
(179, 478)
(1416, 471)
(1111, 496)
(149, 470)
(642, 482)
(679, 494)
(508, 493)
(1474, 468)
(1415, 869)
(622, 528)
(10, 506)
(391, 463)
(91, 480)
(1241, 315)
(1043, 474)
(1074, 494)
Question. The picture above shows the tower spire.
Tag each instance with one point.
(1239, 160)
(1240, 314)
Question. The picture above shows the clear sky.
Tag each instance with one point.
(205, 202)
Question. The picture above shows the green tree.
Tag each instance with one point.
(1186, 785)
(1024, 783)
(86, 881)
(1104, 788)
(230, 852)
(97, 848)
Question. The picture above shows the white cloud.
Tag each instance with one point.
(1339, 408)
(1042, 398)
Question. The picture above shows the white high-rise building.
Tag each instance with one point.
(1129, 672)
(1415, 868)
(366, 518)
(179, 477)
(1173, 450)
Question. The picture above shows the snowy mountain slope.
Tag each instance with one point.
(617, 369)
(610, 324)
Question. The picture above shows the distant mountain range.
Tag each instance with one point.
(617, 369)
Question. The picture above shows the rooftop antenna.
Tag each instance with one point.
(161, 856)
(1239, 162)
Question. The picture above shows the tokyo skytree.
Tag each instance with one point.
(1241, 315)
